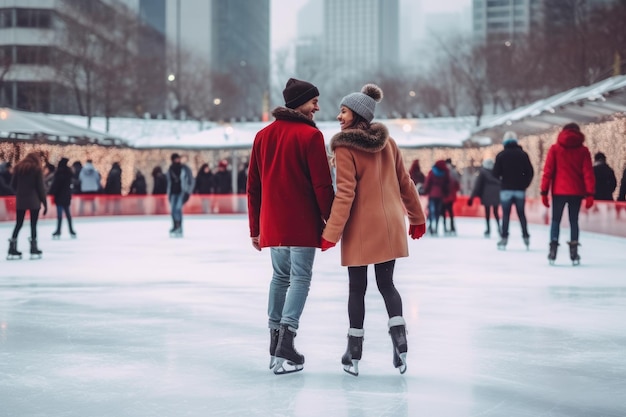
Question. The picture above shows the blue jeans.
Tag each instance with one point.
(293, 268)
(435, 208)
(176, 205)
(573, 209)
(508, 198)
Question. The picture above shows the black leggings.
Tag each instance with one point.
(34, 216)
(358, 287)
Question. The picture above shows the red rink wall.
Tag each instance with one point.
(604, 217)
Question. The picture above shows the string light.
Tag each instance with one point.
(608, 137)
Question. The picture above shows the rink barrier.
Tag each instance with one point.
(604, 217)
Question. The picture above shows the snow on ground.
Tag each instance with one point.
(125, 321)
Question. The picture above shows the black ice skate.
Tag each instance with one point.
(526, 242)
(502, 243)
(13, 252)
(35, 253)
(573, 252)
(56, 235)
(554, 245)
(351, 358)
(397, 331)
(177, 229)
(286, 353)
(273, 345)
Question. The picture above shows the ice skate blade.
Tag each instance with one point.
(14, 257)
(279, 368)
(34, 256)
(272, 362)
(352, 368)
(56, 237)
(402, 367)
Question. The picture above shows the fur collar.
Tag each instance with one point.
(372, 140)
(290, 115)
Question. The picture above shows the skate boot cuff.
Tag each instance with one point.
(396, 321)
(355, 332)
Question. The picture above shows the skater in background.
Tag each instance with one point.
(621, 196)
(30, 195)
(76, 168)
(204, 180)
(180, 184)
(450, 198)
(48, 176)
(113, 186)
(90, 185)
(605, 178)
(436, 187)
(5, 185)
(223, 178)
(513, 168)
(242, 178)
(487, 188)
(61, 191)
(374, 191)
(159, 181)
(568, 174)
(138, 186)
(416, 174)
(290, 193)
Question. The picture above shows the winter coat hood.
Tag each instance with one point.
(283, 113)
(372, 140)
(88, 169)
(570, 138)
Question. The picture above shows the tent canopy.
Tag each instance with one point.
(20, 125)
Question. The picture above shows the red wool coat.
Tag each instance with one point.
(289, 187)
(568, 169)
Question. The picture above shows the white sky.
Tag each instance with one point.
(284, 16)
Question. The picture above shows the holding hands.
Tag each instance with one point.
(417, 230)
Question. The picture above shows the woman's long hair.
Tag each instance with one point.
(31, 163)
(358, 122)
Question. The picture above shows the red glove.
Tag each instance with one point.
(588, 201)
(544, 200)
(327, 245)
(417, 230)
(470, 202)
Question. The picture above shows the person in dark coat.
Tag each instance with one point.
(204, 180)
(223, 178)
(48, 176)
(568, 174)
(416, 174)
(160, 181)
(436, 187)
(114, 180)
(487, 188)
(621, 196)
(605, 178)
(242, 178)
(180, 184)
(61, 190)
(139, 186)
(5, 186)
(30, 195)
(513, 168)
(76, 168)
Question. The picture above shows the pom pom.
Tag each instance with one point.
(373, 91)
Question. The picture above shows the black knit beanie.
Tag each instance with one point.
(297, 92)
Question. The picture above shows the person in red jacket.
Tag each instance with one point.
(290, 194)
(568, 172)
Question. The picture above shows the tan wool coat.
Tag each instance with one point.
(374, 193)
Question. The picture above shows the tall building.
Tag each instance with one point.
(230, 37)
(152, 50)
(66, 56)
(503, 20)
(240, 48)
(310, 36)
(360, 35)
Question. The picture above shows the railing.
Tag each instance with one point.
(604, 217)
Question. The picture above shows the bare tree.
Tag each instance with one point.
(6, 61)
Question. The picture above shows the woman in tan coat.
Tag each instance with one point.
(374, 192)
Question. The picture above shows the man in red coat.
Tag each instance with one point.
(290, 194)
(569, 175)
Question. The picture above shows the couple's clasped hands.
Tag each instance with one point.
(415, 231)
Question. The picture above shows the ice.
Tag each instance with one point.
(126, 321)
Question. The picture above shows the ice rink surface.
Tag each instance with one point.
(127, 322)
